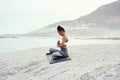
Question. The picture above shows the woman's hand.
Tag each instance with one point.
(58, 42)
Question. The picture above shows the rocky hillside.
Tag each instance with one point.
(105, 21)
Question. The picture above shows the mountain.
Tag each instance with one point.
(105, 15)
(103, 22)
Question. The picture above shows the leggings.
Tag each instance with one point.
(60, 53)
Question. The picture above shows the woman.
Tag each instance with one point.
(61, 44)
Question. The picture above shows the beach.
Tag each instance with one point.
(89, 62)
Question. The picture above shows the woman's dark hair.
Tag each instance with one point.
(59, 28)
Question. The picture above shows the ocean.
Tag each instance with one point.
(14, 44)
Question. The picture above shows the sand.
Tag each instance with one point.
(89, 62)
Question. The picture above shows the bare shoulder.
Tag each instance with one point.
(65, 38)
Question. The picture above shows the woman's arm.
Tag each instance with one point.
(62, 44)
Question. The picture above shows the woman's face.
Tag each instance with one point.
(61, 33)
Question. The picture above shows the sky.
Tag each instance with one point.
(22, 16)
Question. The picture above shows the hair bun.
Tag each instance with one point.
(59, 27)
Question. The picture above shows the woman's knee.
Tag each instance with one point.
(51, 50)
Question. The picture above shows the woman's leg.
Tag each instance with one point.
(51, 50)
(64, 52)
(55, 53)
(58, 54)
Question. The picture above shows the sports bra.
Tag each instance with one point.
(61, 41)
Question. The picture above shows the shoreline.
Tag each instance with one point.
(19, 44)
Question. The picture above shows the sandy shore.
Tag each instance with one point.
(89, 62)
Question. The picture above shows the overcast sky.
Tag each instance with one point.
(21, 16)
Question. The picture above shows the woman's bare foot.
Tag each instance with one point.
(54, 57)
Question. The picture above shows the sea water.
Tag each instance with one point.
(13, 44)
(22, 43)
